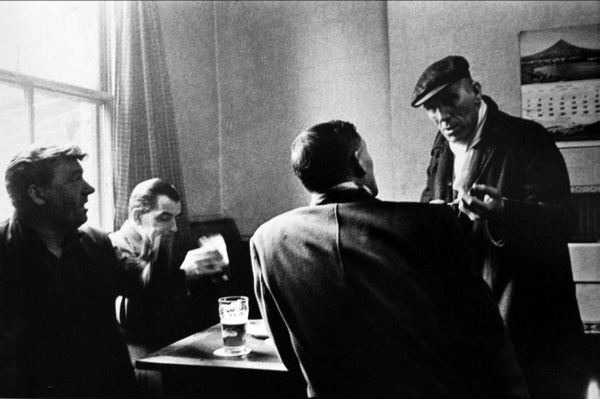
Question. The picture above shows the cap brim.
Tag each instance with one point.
(431, 93)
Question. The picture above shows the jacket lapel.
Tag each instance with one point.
(479, 162)
(130, 235)
(445, 172)
(484, 150)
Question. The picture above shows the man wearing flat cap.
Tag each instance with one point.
(510, 186)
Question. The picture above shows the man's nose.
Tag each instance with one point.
(88, 189)
(440, 113)
(174, 226)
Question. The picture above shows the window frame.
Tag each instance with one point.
(102, 99)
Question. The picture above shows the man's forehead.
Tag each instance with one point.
(166, 204)
(67, 167)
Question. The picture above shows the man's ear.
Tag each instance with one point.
(136, 215)
(357, 165)
(36, 193)
(477, 90)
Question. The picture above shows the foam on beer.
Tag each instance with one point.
(234, 319)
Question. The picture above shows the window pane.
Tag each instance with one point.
(9, 28)
(66, 120)
(59, 42)
(13, 130)
(53, 40)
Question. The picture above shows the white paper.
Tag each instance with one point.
(214, 242)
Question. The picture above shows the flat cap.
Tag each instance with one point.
(437, 76)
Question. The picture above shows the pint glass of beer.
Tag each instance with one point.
(233, 311)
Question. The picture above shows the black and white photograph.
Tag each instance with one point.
(306, 199)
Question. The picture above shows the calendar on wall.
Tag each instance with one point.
(560, 80)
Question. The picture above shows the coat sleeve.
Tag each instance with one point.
(133, 267)
(543, 210)
(156, 298)
(8, 324)
(427, 194)
(270, 313)
(439, 172)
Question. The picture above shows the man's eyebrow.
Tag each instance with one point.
(163, 213)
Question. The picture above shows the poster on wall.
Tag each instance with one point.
(560, 80)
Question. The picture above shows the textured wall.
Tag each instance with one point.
(283, 66)
(248, 76)
(244, 91)
(486, 33)
(189, 37)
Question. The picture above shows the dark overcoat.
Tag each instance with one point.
(522, 254)
(373, 299)
(39, 341)
(157, 313)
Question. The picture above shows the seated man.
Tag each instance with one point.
(58, 284)
(374, 299)
(160, 312)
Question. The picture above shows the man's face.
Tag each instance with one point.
(160, 221)
(66, 196)
(455, 110)
(367, 164)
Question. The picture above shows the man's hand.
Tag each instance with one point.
(482, 201)
(200, 263)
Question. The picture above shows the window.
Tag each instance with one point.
(54, 89)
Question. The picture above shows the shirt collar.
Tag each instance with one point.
(316, 198)
(19, 233)
(480, 122)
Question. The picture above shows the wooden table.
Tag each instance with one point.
(190, 368)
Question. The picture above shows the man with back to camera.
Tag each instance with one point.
(373, 299)
(162, 312)
(512, 190)
(58, 284)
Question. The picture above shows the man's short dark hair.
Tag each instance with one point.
(323, 155)
(36, 165)
(144, 195)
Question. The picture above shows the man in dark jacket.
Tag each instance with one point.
(510, 185)
(373, 299)
(58, 284)
(161, 312)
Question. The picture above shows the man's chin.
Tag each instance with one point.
(81, 220)
(81, 217)
(454, 138)
(74, 223)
